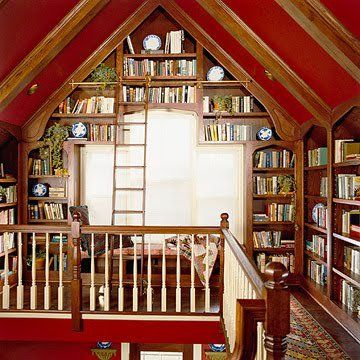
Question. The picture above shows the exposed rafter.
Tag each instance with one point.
(327, 31)
(48, 48)
(270, 60)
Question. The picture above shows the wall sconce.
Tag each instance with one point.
(33, 88)
(269, 75)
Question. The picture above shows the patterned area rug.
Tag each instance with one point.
(308, 339)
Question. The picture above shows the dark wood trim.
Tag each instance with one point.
(285, 125)
(48, 48)
(267, 57)
(327, 31)
(343, 108)
(14, 130)
(34, 127)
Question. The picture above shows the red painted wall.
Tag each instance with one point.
(50, 351)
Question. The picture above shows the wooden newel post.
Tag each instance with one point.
(277, 319)
(224, 224)
(76, 285)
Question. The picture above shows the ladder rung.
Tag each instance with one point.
(128, 212)
(129, 189)
(129, 166)
(130, 123)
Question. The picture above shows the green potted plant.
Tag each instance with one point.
(286, 185)
(53, 141)
(2, 195)
(39, 260)
(104, 74)
(222, 103)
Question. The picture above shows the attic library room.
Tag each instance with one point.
(179, 179)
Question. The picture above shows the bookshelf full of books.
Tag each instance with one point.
(271, 233)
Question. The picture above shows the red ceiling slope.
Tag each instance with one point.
(69, 59)
(298, 49)
(246, 61)
(24, 23)
(347, 12)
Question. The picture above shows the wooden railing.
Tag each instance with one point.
(255, 313)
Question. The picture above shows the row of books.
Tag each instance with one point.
(243, 104)
(346, 149)
(317, 271)
(93, 105)
(323, 186)
(266, 185)
(174, 42)
(352, 258)
(56, 262)
(39, 166)
(350, 296)
(274, 159)
(215, 131)
(11, 194)
(263, 239)
(288, 260)
(7, 217)
(144, 67)
(347, 186)
(163, 95)
(321, 217)
(57, 192)
(48, 211)
(317, 245)
(10, 238)
(96, 132)
(351, 222)
(317, 157)
(276, 212)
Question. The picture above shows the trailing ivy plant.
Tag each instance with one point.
(53, 141)
(104, 74)
(222, 103)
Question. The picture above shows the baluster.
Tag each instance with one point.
(135, 288)
(20, 286)
(207, 276)
(178, 274)
(106, 287)
(61, 269)
(33, 288)
(47, 290)
(121, 287)
(6, 287)
(260, 349)
(192, 289)
(92, 275)
(163, 277)
(246, 288)
(149, 289)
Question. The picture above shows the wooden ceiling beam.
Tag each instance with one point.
(48, 48)
(267, 58)
(327, 31)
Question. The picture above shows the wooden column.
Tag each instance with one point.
(277, 318)
(76, 285)
(224, 224)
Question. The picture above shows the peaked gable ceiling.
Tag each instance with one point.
(22, 27)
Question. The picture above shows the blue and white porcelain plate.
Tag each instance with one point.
(79, 130)
(152, 42)
(217, 347)
(315, 209)
(216, 73)
(264, 134)
(103, 344)
(39, 190)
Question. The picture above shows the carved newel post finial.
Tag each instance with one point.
(224, 220)
(277, 322)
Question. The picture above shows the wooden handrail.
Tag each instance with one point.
(65, 229)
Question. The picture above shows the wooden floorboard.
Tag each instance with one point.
(340, 335)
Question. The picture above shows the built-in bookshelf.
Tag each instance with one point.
(271, 205)
(331, 249)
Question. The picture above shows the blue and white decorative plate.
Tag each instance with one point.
(79, 130)
(39, 190)
(314, 213)
(217, 347)
(103, 344)
(264, 134)
(152, 42)
(216, 73)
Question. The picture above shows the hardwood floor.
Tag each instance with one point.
(341, 336)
